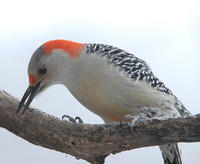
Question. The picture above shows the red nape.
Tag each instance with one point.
(73, 49)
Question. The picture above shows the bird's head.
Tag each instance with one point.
(45, 66)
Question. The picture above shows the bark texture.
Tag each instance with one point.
(93, 142)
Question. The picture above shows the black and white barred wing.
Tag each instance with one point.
(134, 68)
(129, 64)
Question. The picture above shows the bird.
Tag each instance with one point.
(111, 82)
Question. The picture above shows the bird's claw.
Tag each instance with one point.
(72, 119)
(79, 120)
(132, 120)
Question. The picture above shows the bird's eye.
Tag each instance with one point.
(42, 70)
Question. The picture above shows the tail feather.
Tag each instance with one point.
(171, 154)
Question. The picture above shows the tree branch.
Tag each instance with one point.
(93, 142)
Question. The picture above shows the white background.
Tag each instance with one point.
(164, 33)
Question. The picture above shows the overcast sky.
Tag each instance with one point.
(164, 33)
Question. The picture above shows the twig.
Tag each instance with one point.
(93, 142)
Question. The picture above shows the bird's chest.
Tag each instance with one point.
(96, 95)
(97, 86)
(108, 92)
(110, 97)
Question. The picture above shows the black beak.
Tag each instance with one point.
(29, 94)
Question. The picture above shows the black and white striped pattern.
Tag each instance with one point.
(134, 68)
(129, 64)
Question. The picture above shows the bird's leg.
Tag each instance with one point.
(144, 114)
(72, 119)
(133, 120)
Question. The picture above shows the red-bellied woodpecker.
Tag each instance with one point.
(109, 81)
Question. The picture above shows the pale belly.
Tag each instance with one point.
(110, 94)
(111, 100)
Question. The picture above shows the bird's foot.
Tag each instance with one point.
(133, 120)
(72, 119)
